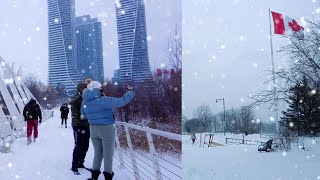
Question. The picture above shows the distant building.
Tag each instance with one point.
(60, 40)
(88, 47)
(116, 77)
(132, 42)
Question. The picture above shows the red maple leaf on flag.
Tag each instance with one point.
(295, 26)
(159, 72)
(165, 71)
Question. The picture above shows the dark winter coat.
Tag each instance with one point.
(98, 109)
(75, 103)
(64, 112)
(32, 111)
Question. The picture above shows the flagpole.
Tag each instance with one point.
(273, 73)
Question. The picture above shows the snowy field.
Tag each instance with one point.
(244, 162)
(49, 158)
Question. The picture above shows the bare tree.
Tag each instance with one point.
(304, 61)
(175, 49)
(14, 71)
(44, 94)
(203, 114)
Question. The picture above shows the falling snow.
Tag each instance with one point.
(56, 20)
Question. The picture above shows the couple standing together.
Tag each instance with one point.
(92, 116)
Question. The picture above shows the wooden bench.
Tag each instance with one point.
(267, 147)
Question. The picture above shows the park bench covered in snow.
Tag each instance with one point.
(266, 147)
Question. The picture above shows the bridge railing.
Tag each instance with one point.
(148, 162)
(263, 135)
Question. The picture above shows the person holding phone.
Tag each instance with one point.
(98, 109)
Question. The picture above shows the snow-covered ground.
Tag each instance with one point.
(49, 158)
(244, 162)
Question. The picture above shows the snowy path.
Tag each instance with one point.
(244, 162)
(49, 158)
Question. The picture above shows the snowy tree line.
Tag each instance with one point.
(303, 114)
(47, 96)
(160, 109)
(238, 120)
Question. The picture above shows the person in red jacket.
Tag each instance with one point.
(32, 114)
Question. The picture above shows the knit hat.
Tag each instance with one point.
(94, 85)
(81, 87)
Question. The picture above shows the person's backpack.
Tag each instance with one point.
(32, 111)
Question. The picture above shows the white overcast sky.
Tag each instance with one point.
(227, 50)
(24, 31)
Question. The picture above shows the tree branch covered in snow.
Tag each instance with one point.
(303, 62)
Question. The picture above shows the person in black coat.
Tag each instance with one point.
(64, 114)
(81, 130)
(32, 114)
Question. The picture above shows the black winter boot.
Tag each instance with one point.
(94, 175)
(108, 176)
(75, 170)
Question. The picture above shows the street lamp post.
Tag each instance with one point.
(224, 114)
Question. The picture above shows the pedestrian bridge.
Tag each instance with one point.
(141, 153)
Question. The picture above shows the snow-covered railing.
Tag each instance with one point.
(262, 135)
(11, 127)
(242, 141)
(140, 165)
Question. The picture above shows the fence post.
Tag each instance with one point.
(133, 159)
(118, 147)
(154, 158)
(243, 139)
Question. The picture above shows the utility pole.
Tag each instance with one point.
(224, 114)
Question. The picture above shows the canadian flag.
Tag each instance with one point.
(286, 25)
(159, 72)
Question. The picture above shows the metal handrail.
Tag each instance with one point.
(140, 162)
(169, 135)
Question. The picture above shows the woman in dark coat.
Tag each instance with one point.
(64, 114)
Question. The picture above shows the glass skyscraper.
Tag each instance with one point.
(88, 47)
(61, 39)
(132, 42)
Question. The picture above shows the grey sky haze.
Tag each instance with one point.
(24, 36)
(227, 49)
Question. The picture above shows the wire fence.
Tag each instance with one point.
(147, 163)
